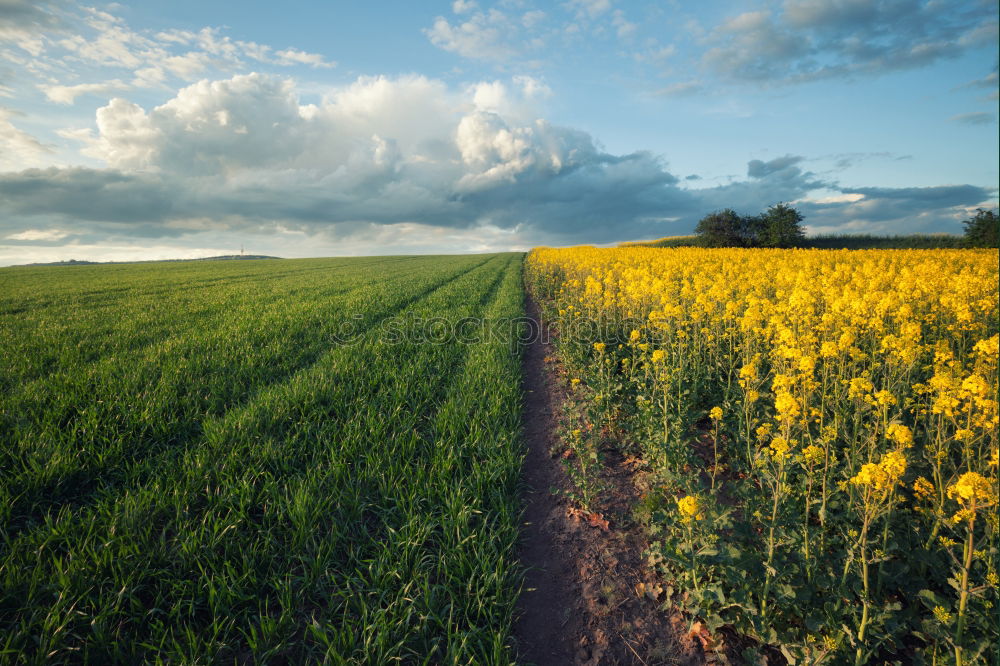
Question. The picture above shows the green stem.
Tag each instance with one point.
(770, 544)
(963, 598)
(859, 654)
(805, 528)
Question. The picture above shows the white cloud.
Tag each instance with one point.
(590, 8)
(406, 158)
(464, 6)
(532, 18)
(62, 39)
(68, 94)
(378, 151)
(39, 235)
(484, 36)
(623, 27)
(294, 56)
(18, 149)
(25, 22)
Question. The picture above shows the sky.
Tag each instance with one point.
(174, 129)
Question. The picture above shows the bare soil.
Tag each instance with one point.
(584, 600)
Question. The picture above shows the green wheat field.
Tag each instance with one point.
(197, 466)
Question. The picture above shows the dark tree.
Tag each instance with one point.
(781, 227)
(983, 229)
(752, 230)
(724, 228)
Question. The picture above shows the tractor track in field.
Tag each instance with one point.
(579, 603)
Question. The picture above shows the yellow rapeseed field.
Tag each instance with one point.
(820, 428)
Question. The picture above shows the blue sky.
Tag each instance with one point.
(173, 129)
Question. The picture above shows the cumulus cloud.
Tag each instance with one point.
(807, 40)
(391, 161)
(485, 35)
(379, 151)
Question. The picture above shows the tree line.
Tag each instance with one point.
(781, 227)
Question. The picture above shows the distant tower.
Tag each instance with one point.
(241, 249)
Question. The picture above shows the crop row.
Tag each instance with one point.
(238, 485)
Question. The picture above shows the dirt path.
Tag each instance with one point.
(580, 604)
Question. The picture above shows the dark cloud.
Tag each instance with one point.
(243, 156)
(817, 39)
(898, 210)
(31, 15)
(609, 199)
(759, 169)
(933, 197)
(847, 160)
(89, 194)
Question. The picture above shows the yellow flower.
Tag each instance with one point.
(574, 382)
(658, 356)
(860, 387)
(599, 347)
(786, 405)
(812, 454)
(885, 398)
(715, 414)
(689, 509)
(807, 364)
(748, 372)
(894, 465)
(989, 348)
(780, 448)
(973, 488)
(942, 615)
(900, 434)
(634, 336)
(884, 475)
(923, 488)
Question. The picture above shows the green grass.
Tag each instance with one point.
(193, 469)
(870, 242)
(666, 241)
